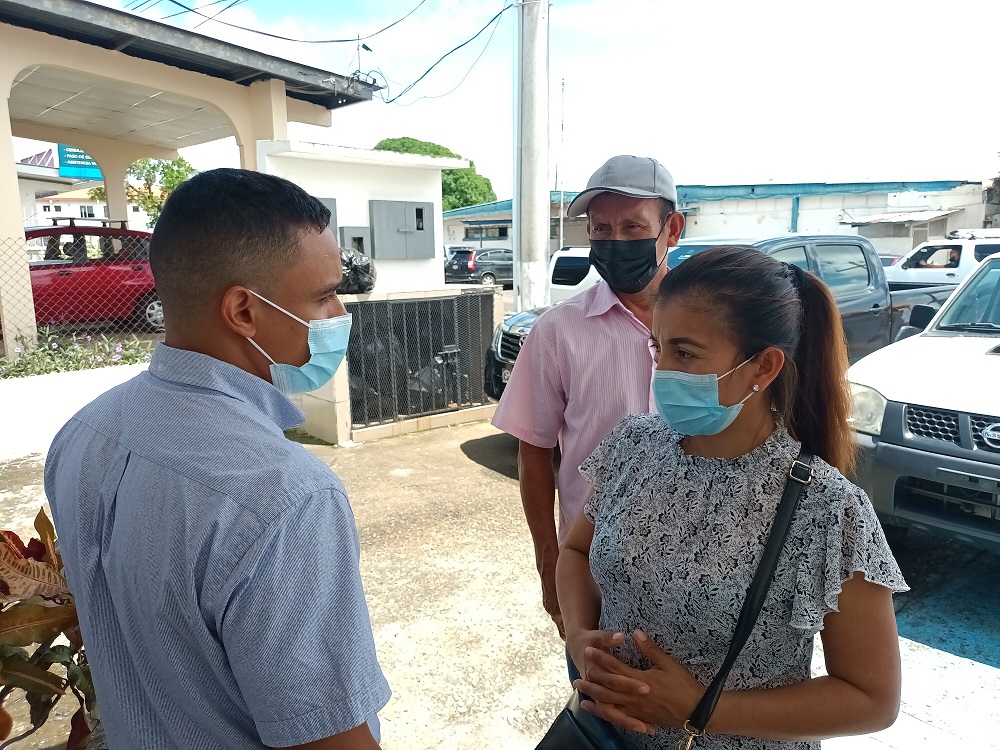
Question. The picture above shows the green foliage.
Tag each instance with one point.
(459, 187)
(149, 183)
(63, 353)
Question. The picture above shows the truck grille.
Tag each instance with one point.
(979, 424)
(510, 345)
(978, 509)
(935, 424)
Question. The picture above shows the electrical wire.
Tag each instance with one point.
(467, 73)
(233, 4)
(353, 40)
(206, 5)
(446, 54)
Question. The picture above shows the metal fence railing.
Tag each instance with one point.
(76, 284)
(410, 358)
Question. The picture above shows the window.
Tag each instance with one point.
(984, 251)
(57, 209)
(793, 256)
(104, 211)
(46, 209)
(486, 233)
(86, 212)
(135, 209)
(420, 218)
(844, 268)
(932, 256)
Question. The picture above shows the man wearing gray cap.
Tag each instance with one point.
(587, 363)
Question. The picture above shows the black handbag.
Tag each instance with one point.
(576, 729)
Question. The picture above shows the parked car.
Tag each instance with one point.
(872, 309)
(946, 260)
(927, 420)
(479, 266)
(92, 274)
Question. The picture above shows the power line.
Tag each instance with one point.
(182, 12)
(213, 18)
(353, 40)
(446, 54)
(468, 72)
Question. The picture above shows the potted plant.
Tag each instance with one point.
(41, 649)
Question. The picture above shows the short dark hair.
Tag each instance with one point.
(228, 227)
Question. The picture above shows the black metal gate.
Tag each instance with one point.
(414, 357)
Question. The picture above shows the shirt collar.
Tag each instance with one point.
(201, 371)
(604, 299)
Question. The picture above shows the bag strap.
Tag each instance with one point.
(799, 476)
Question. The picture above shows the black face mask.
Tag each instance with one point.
(627, 265)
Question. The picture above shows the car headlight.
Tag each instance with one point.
(495, 346)
(867, 409)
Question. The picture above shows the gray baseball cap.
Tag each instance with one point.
(638, 176)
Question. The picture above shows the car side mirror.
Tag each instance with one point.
(921, 316)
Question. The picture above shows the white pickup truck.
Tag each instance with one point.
(927, 416)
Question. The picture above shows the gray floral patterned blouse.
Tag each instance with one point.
(677, 540)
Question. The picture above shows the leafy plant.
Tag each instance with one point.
(55, 352)
(149, 183)
(459, 187)
(37, 610)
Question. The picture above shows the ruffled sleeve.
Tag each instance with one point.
(843, 539)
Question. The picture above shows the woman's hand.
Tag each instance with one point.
(635, 699)
(601, 641)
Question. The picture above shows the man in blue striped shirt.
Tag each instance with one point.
(214, 562)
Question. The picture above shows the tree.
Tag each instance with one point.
(459, 187)
(149, 182)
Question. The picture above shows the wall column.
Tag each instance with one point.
(268, 119)
(17, 307)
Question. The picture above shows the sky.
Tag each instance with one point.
(721, 93)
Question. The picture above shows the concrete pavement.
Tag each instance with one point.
(473, 660)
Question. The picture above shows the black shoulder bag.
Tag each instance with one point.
(576, 729)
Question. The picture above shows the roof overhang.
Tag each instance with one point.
(370, 157)
(151, 40)
(901, 217)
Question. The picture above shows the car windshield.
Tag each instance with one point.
(683, 252)
(977, 305)
(461, 255)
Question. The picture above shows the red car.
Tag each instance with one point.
(92, 274)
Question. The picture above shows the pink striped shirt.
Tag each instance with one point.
(585, 366)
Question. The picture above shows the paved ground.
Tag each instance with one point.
(469, 653)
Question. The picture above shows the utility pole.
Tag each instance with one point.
(562, 151)
(531, 156)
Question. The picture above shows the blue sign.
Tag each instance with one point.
(77, 164)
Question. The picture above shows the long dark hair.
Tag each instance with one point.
(762, 302)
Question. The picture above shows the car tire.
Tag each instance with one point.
(488, 279)
(149, 313)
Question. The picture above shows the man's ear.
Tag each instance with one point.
(675, 226)
(239, 310)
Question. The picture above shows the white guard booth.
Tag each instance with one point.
(417, 347)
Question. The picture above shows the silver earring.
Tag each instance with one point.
(756, 388)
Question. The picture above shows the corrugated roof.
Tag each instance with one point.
(697, 193)
(901, 217)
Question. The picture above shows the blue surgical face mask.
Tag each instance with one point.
(328, 339)
(689, 404)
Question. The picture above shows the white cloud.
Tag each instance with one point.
(720, 92)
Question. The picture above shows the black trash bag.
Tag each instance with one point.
(359, 272)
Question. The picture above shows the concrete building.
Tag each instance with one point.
(755, 210)
(120, 88)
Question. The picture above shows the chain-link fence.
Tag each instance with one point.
(410, 358)
(69, 285)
